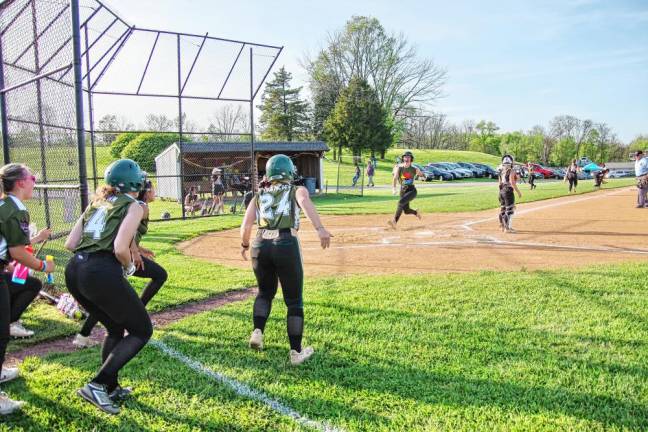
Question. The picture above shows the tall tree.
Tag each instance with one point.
(284, 115)
(110, 123)
(388, 62)
(228, 121)
(359, 121)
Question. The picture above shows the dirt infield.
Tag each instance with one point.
(573, 231)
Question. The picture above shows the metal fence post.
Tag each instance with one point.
(3, 111)
(78, 105)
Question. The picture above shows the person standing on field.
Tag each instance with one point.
(641, 172)
(276, 255)
(370, 174)
(507, 180)
(404, 173)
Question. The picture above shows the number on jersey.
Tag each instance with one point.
(97, 223)
(266, 209)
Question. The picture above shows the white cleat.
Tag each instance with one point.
(17, 330)
(297, 358)
(256, 340)
(8, 406)
(9, 374)
(81, 341)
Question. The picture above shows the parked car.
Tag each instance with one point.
(477, 172)
(583, 175)
(558, 172)
(454, 166)
(619, 173)
(455, 174)
(440, 174)
(546, 172)
(428, 175)
(488, 170)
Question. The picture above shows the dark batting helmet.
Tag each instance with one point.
(408, 153)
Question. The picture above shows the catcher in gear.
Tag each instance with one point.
(507, 179)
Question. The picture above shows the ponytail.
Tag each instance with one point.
(104, 192)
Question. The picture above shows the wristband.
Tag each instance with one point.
(247, 246)
(43, 266)
(319, 228)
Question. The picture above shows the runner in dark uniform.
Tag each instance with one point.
(17, 186)
(276, 255)
(531, 176)
(507, 186)
(96, 277)
(146, 267)
(404, 173)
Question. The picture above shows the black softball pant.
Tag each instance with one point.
(407, 194)
(507, 206)
(14, 299)
(573, 181)
(273, 261)
(96, 282)
(153, 271)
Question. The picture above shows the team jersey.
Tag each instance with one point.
(101, 222)
(276, 207)
(406, 175)
(14, 226)
(142, 229)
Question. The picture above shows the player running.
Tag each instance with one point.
(143, 260)
(404, 173)
(95, 275)
(276, 255)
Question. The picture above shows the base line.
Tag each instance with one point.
(243, 390)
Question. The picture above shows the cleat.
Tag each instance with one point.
(8, 406)
(97, 395)
(81, 341)
(297, 358)
(391, 224)
(256, 340)
(120, 393)
(17, 330)
(9, 374)
(418, 214)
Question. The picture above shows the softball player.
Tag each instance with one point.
(507, 184)
(95, 276)
(404, 173)
(572, 175)
(146, 268)
(17, 186)
(276, 254)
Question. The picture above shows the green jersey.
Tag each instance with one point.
(14, 226)
(406, 175)
(142, 229)
(101, 222)
(276, 207)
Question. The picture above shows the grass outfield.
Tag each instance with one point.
(449, 199)
(551, 350)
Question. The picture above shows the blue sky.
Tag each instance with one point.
(517, 63)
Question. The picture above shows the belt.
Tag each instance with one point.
(269, 234)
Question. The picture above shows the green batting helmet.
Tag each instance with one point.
(280, 167)
(125, 175)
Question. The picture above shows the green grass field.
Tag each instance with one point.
(489, 351)
(540, 351)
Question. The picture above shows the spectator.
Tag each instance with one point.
(356, 176)
(191, 202)
(641, 171)
(370, 174)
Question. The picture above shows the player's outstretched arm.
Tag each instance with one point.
(246, 227)
(305, 203)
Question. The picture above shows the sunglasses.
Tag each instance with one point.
(32, 177)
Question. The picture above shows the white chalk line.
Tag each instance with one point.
(244, 390)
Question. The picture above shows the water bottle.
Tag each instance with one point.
(50, 276)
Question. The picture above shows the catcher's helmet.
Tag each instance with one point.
(125, 175)
(279, 167)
